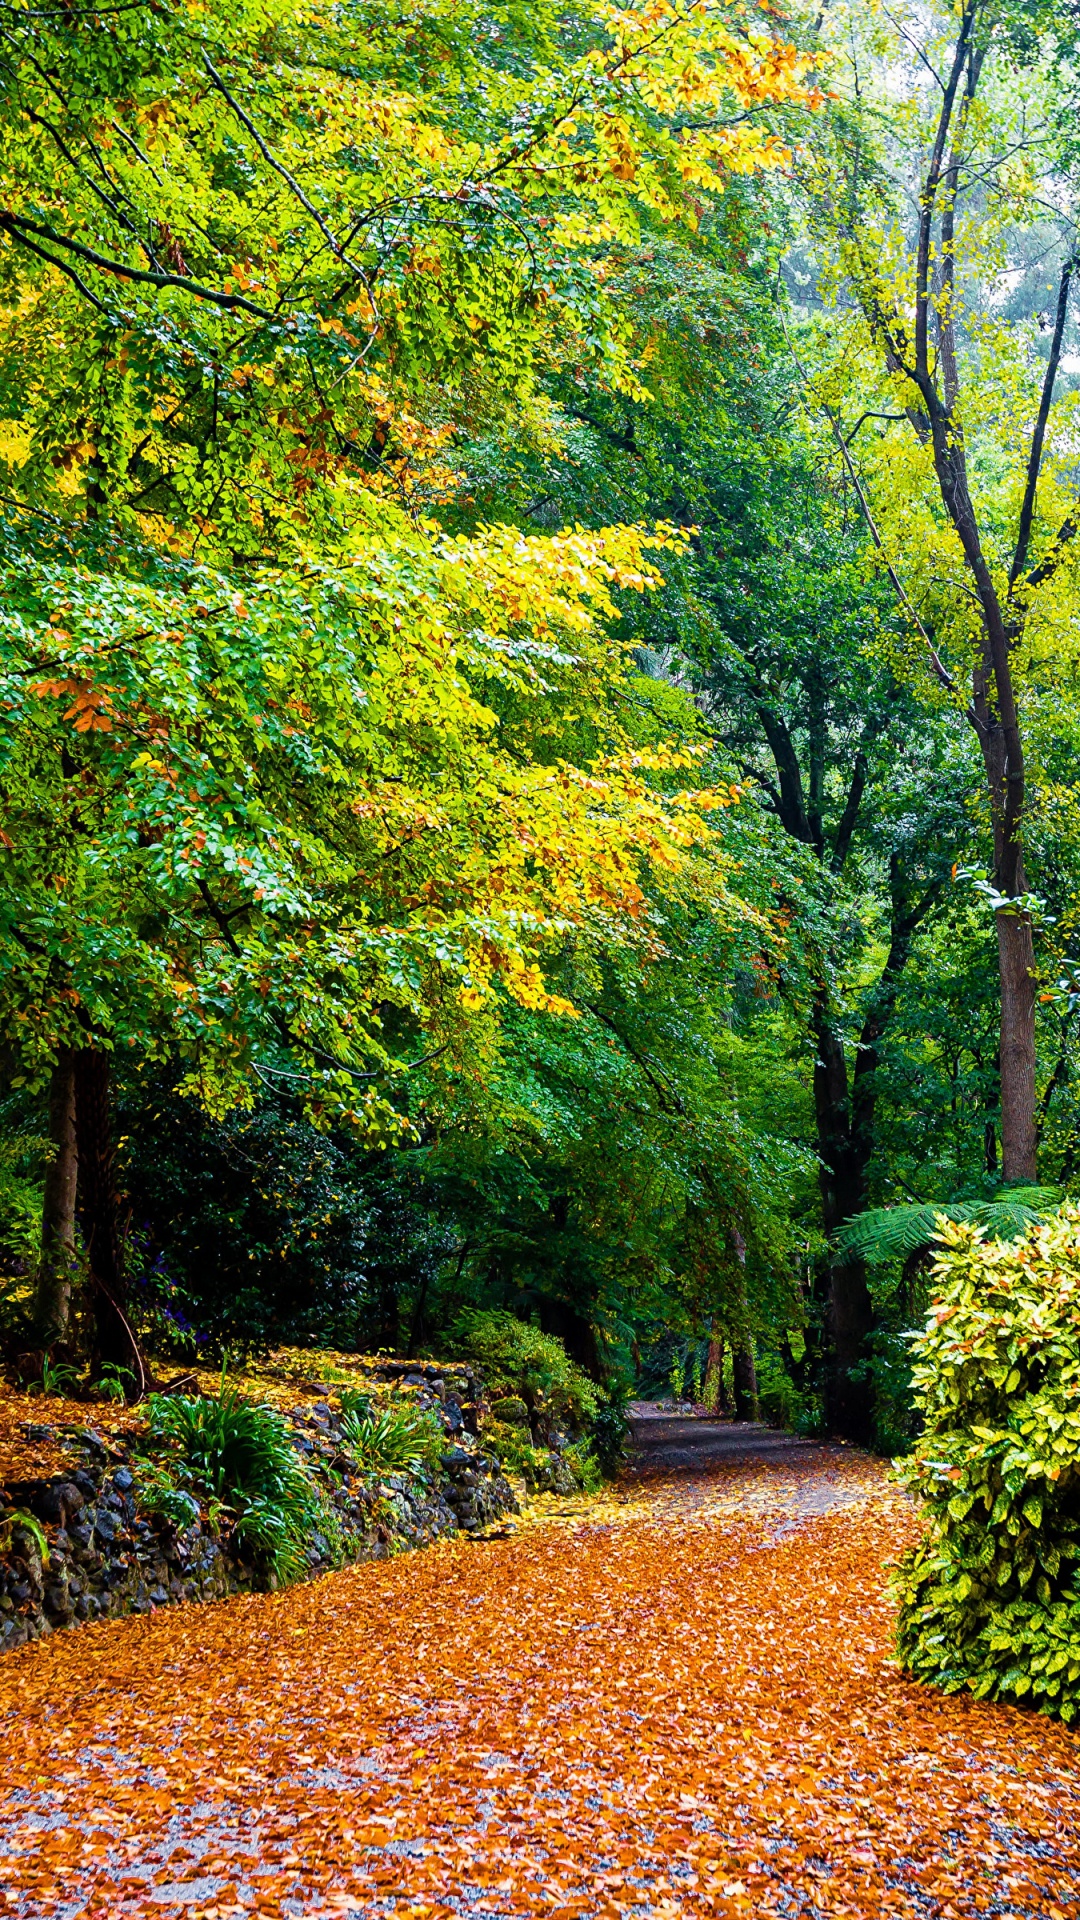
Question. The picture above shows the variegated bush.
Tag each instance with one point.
(990, 1599)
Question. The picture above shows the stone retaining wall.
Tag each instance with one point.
(108, 1554)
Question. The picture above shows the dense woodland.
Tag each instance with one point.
(539, 634)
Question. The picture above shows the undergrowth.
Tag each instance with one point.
(990, 1599)
(392, 1439)
(241, 1454)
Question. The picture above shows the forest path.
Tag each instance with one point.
(677, 1703)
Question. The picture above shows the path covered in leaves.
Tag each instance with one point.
(678, 1703)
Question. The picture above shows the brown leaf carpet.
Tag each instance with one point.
(678, 1702)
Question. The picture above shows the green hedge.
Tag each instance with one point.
(990, 1600)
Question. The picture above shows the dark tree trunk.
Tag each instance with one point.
(99, 1214)
(57, 1265)
(576, 1332)
(1016, 960)
(844, 1153)
(846, 1113)
(744, 1381)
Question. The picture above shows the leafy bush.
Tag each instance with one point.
(584, 1465)
(990, 1600)
(514, 1448)
(394, 1440)
(243, 1455)
(543, 1469)
(608, 1431)
(780, 1402)
(516, 1359)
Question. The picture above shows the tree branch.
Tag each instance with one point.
(1027, 510)
(19, 227)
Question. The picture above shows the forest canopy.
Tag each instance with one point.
(538, 615)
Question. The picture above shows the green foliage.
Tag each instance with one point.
(779, 1400)
(163, 1492)
(514, 1448)
(393, 1439)
(990, 1600)
(608, 1434)
(57, 1376)
(243, 1455)
(113, 1382)
(511, 1411)
(584, 1465)
(21, 1153)
(516, 1358)
(249, 1231)
(354, 1402)
(882, 1234)
(17, 1519)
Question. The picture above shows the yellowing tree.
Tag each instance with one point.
(945, 402)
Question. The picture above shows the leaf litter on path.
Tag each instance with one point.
(677, 1701)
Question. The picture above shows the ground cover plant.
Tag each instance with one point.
(393, 1439)
(241, 1454)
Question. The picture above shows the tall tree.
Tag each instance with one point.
(926, 285)
(771, 619)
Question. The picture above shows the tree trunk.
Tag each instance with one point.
(99, 1212)
(1016, 960)
(57, 1265)
(849, 1397)
(744, 1380)
(713, 1392)
(843, 1152)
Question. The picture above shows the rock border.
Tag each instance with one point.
(108, 1555)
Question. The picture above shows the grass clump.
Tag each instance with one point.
(393, 1439)
(241, 1453)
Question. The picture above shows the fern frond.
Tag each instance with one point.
(895, 1233)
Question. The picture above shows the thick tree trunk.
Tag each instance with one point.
(57, 1265)
(99, 1212)
(744, 1380)
(843, 1155)
(1016, 961)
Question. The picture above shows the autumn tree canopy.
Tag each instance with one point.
(536, 622)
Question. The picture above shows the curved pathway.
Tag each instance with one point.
(674, 1701)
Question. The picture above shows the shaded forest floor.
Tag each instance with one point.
(671, 1701)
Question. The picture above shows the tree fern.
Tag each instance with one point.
(895, 1233)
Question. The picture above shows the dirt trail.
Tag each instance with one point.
(677, 1703)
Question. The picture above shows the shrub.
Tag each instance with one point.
(512, 1411)
(243, 1455)
(518, 1360)
(584, 1466)
(395, 1440)
(515, 1451)
(990, 1600)
(608, 1435)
